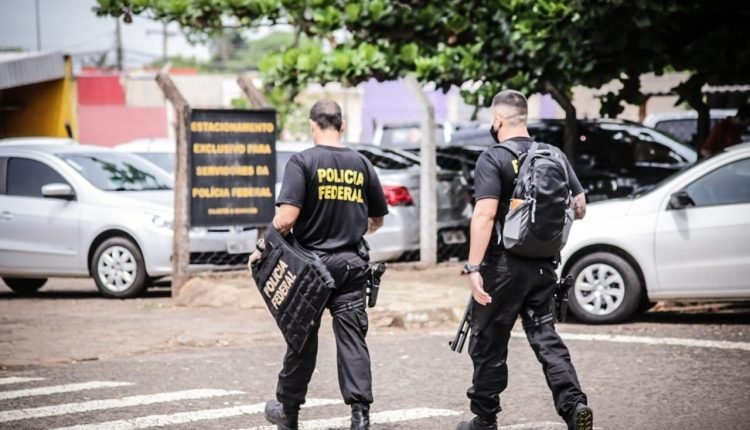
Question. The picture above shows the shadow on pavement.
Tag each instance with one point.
(62, 295)
(671, 313)
(676, 317)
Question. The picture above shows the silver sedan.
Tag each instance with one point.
(75, 210)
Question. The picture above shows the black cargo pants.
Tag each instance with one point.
(525, 286)
(347, 306)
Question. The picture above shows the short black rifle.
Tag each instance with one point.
(373, 283)
(561, 297)
(457, 344)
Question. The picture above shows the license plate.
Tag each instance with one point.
(240, 246)
(453, 237)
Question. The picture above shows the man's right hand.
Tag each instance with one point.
(255, 256)
(477, 289)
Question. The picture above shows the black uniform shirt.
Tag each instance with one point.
(337, 190)
(494, 175)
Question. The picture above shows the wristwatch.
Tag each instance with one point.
(470, 268)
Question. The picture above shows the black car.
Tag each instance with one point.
(612, 158)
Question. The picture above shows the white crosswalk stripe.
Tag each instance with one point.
(56, 389)
(385, 417)
(188, 417)
(17, 380)
(97, 405)
(646, 340)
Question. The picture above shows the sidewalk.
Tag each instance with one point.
(69, 321)
(410, 297)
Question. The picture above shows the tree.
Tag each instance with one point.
(251, 53)
(705, 38)
(530, 45)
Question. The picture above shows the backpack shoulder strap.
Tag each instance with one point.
(507, 146)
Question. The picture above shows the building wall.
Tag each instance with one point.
(349, 99)
(107, 119)
(110, 125)
(44, 109)
(392, 102)
(202, 91)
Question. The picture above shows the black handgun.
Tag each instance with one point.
(561, 297)
(373, 284)
(457, 344)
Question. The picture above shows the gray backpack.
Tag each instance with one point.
(539, 226)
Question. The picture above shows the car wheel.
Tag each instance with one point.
(25, 285)
(606, 289)
(118, 268)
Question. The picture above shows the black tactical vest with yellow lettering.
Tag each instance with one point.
(294, 284)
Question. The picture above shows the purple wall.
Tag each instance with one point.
(548, 107)
(392, 101)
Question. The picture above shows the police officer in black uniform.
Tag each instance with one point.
(504, 285)
(331, 197)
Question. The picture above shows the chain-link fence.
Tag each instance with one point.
(228, 248)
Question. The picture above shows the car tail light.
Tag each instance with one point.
(397, 196)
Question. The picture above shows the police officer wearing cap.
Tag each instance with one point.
(330, 198)
(505, 285)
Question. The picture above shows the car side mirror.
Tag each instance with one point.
(58, 191)
(680, 200)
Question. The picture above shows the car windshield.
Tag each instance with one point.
(114, 171)
(649, 145)
(165, 160)
(387, 159)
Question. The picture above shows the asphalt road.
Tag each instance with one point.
(667, 370)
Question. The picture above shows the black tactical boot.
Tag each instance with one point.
(285, 417)
(360, 416)
(582, 418)
(478, 423)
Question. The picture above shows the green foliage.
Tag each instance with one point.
(529, 45)
(248, 54)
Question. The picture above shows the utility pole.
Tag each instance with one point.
(38, 27)
(165, 35)
(118, 43)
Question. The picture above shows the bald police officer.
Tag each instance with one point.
(330, 198)
(504, 284)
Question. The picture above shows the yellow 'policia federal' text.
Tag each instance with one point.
(340, 184)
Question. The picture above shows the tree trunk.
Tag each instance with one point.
(691, 91)
(259, 101)
(570, 136)
(428, 177)
(181, 225)
(256, 96)
(704, 125)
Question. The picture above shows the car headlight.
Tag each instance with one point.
(162, 222)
